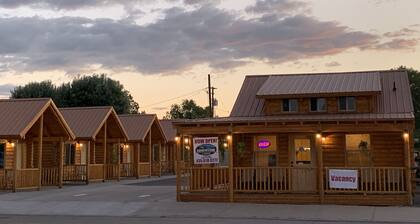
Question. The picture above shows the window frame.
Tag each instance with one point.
(289, 105)
(3, 165)
(317, 100)
(346, 98)
(367, 153)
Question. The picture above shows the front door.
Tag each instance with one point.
(303, 163)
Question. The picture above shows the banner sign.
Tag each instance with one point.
(343, 179)
(206, 150)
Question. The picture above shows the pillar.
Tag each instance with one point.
(60, 163)
(320, 164)
(41, 133)
(230, 148)
(88, 162)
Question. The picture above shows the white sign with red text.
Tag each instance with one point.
(343, 179)
(206, 150)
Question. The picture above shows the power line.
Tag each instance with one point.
(195, 92)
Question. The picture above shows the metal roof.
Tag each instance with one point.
(17, 116)
(138, 125)
(389, 101)
(87, 121)
(168, 129)
(320, 84)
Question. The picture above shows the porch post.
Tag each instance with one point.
(14, 167)
(150, 152)
(137, 160)
(318, 147)
(87, 162)
(118, 160)
(104, 161)
(41, 133)
(230, 147)
(160, 159)
(60, 164)
(408, 164)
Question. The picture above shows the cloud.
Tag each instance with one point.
(64, 4)
(404, 32)
(5, 89)
(397, 44)
(332, 64)
(282, 7)
(180, 40)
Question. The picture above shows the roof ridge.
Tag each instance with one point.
(26, 99)
(85, 108)
(324, 73)
(136, 115)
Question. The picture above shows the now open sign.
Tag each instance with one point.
(343, 179)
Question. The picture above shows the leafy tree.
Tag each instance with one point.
(188, 109)
(95, 90)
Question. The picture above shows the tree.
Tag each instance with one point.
(95, 90)
(188, 109)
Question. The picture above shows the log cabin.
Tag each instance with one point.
(142, 154)
(169, 149)
(334, 138)
(32, 136)
(93, 154)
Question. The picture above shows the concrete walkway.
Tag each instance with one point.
(155, 198)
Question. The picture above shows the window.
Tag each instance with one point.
(2, 152)
(318, 104)
(347, 103)
(70, 154)
(290, 105)
(358, 150)
(302, 151)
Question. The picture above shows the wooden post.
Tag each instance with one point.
(118, 160)
(408, 164)
(150, 152)
(320, 164)
(105, 136)
(160, 159)
(137, 160)
(94, 152)
(60, 164)
(230, 147)
(14, 167)
(87, 162)
(41, 134)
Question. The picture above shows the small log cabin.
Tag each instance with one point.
(335, 138)
(32, 136)
(169, 149)
(142, 153)
(94, 153)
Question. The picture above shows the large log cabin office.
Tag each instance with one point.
(289, 136)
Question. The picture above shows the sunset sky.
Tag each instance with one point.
(162, 51)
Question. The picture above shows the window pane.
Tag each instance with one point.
(322, 105)
(358, 150)
(302, 150)
(342, 103)
(351, 103)
(293, 105)
(2, 149)
(314, 104)
(286, 105)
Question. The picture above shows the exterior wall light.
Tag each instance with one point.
(323, 139)
(186, 140)
(318, 135)
(177, 139)
(225, 145)
(406, 135)
(229, 137)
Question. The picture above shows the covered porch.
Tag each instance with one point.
(299, 162)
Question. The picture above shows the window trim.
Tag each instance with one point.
(347, 104)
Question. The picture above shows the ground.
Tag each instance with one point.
(152, 200)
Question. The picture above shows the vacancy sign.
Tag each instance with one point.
(343, 179)
(206, 150)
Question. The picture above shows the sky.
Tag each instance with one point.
(162, 50)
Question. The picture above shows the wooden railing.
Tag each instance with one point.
(198, 179)
(6, 179)
(112, 171)
(371, 180)
(127, 170)
(156, 168)
(27, 178)
(144, 169)
(96, 172)
(74, 173)
(50, 176)
(168, 167)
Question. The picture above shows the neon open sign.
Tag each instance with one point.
(263, 144)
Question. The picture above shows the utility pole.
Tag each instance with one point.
(213, 103)
(210, 96)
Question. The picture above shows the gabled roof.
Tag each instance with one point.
(301, 85)
(168, 129)
(138, 125)
(388, 100)
(17, 116)
(86, 122)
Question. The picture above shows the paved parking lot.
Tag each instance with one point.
(152, 200)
